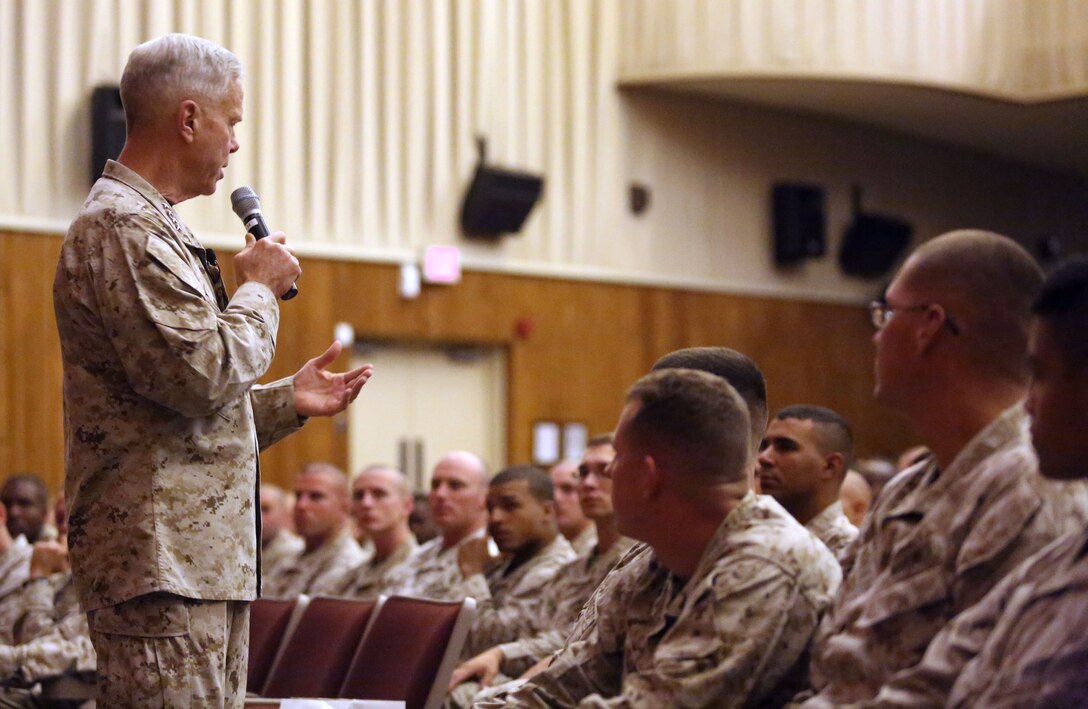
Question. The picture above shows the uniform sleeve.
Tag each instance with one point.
(274, 414)
(475, 586)
(38, 616)
(176, 348)
(502, 620)
(534, 647)
(591, 662)
(65, 648)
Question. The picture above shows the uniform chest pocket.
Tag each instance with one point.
(176, 264)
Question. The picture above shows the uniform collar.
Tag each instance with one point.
(131, 179)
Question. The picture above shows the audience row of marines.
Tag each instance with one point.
(673, 581)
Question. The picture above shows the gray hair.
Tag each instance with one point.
(163, 71)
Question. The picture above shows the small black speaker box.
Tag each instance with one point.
(107, 127)
(499, 201)
(872, 244)
(799, 224)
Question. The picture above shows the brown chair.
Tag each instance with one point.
(316, 657)
(410, 651)
(271, 622)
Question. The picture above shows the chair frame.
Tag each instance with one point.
(296, 615)
(296, 618)
(450, 656)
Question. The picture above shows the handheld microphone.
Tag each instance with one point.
(247, 206)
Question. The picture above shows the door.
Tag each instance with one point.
(424, 401)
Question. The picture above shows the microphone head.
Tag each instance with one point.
(244, 201)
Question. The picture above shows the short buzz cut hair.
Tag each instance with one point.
(165, 70)
(987, 282)
(330, 471)
(694, 421)
(740, 370)
(1063, 302)
(403, 485)
(540, 483)
(834, 434)
(601, 439)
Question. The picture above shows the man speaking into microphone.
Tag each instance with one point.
(163, 417)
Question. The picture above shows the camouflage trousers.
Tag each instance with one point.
(162, 650)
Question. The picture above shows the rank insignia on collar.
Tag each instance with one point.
(172, 216)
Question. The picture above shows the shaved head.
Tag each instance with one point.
(986, 283)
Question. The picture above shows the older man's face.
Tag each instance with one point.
(215, 141)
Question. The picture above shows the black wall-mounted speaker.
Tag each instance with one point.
(872, 244)
(107, 127)
(499, 201)
(800, 226)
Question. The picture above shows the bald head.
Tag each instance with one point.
(856, 495)
(458, 495)
(986, 283)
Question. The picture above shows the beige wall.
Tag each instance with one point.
(361, 116)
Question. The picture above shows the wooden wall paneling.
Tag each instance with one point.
(588, 343)
(32, 436)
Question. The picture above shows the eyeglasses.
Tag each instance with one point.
(881, 313)
(601, 470)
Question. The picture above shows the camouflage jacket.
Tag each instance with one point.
(732, 635)
(1023, 645)
(48, 632)
(585, 541)
(320, 572)
(933, 545)
(552, 616)
(368, 580)
(15, 565)
(162, 419)
(833, 528)
(431, 573)
(281, 548)
(504, 599)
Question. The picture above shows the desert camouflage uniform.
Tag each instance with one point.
(283, 546)
(193, 664)
(432, 572)
(505, 597)
(162, 419)
(585, 541)
(45, 634)
(550, 618)
(560, 602)
(1023, 645)
(320, 572)
(732, 635)
(933, 545)
(833, 528)
(15, 565)
(368, 580)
